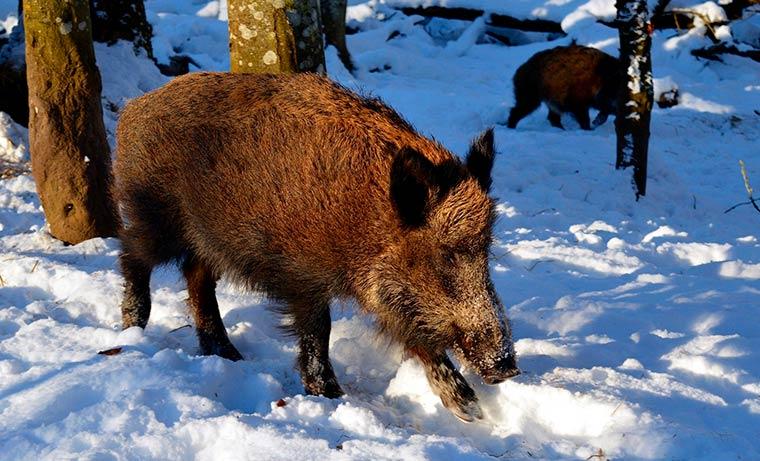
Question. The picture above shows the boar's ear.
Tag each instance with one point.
(412, 181)
(480, 158)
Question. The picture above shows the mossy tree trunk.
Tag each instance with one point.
(114, 20)
(636, 91)
(334, 22)
(70, 155)
(275, 36)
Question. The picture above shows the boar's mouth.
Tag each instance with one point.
(491, 371)
(502, 371)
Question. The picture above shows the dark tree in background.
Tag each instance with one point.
(114, 20)
(275, 36)
(13, 91)
(71, 162)
(334, 23)
(636, 92)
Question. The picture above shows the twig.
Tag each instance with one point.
(533, 266)
(705, 20)
(2, 282)
(179, 328)
(737, 206)
(747, 186)
(35, 265)
(498, 257)
(675, 19)
(542, 212)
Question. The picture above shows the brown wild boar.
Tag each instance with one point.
(296, 187)
(568, 79)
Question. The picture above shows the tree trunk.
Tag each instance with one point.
(275, 36)
(14, 98)
(636, 90)
(67, 140)
(114, 20)
(334, 21)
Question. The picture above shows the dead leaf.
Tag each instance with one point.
(112, 351)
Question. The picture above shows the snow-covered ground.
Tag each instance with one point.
(636, 323)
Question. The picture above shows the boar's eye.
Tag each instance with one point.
(466, 341)
(449, 256)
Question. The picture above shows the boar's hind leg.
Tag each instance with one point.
(583, 119)
(524, 106)
(555, 118)
(312, 326)
(201, 286)
(601, 117)
(450, 386)
(135, 306)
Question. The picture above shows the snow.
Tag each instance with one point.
(13, 140)
(709, 11)
(634, 322)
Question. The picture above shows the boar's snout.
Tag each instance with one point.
(487, 347)
(504, 369)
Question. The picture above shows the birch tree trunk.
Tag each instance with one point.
(275, 36)
(67, 140)
(636, 92)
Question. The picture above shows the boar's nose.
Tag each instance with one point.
(504, 369)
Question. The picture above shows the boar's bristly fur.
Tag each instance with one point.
(567, 79)
(296, 187)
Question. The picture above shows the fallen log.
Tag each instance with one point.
(496, 19)
(661, 19)
(714, 52)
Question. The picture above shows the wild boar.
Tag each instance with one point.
(567, 79)
(293, 186)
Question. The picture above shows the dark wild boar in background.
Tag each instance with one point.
(567, 79)
(296, 187)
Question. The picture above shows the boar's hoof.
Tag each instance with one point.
(230, 353)
(326, 388)
(467, 410)
(224, 350)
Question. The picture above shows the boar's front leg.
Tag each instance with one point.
(135, 306)
(581, 115)
(450, 385)
(312, 326)
(201, 287)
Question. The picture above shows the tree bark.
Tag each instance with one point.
(275, 36)
(67, 140)
(636, 90)
(114, 20)
(334, 22)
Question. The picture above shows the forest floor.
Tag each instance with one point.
(636, 323)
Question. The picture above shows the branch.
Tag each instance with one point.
(747, 186)
(736, 206)
(495, 19)
(713, 53)
(675, 19)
